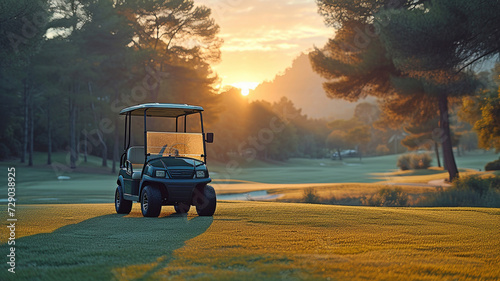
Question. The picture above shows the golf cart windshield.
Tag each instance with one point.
(163, 144)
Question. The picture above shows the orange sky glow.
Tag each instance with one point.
(261, 38)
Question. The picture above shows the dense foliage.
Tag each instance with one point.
(414, 56)
(493, 166)
(67, 67)
(261, 130)
(414, 161)
(470, 191)
(387, 197)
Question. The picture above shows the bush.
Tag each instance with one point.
(471, 191)
(404, 162)
(310, 196)
(420, 161)
(387, 197)
(414, 161)
(495, 183)
(493, 165)
(474, 183)
(346, 201)
(382, 149)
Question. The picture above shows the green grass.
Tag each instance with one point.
(40, 185)
(250, 240)
(306, 170)
(88, 183)
(350, 170)
(91, 183)
(256, 241)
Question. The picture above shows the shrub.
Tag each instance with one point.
(493, 165)
(346, 201)
(382, 149)
(495, 183)
(404, 162)
(470, 191)
(473, 182)
(414, 161)
(310, 196)
(387, 197)
(420, 161)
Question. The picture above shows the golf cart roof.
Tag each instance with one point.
(161, 110)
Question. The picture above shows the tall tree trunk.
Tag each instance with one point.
(85, 151)
(444, 123)
(116, 148)
(77, 129)
(31, 134)
(99, 133)
(72, 132)
(340, 155)
(436, 150)
(25, 131)
(116, 145)
(49, 138)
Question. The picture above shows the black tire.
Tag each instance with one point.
(205, 201)
(151, 201)
(122, 206)
(182, 208)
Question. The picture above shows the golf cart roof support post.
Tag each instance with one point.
(203, 134)
(129, 128)
(125, 135)
(177, 124)
(145, 138)
(185, 122)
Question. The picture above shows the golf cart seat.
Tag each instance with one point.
(135, 155)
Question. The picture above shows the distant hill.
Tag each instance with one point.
(300, 84)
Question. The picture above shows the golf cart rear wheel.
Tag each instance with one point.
(206, 201)
(182, 208)
(151, 201)
(122, 206)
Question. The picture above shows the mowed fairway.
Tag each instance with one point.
(256, 241)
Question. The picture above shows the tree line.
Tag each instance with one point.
(67, 67)
(267, 131)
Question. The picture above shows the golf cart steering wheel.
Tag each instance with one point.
(174, 150)
(163, 150)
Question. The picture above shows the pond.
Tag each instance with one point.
(249, 196)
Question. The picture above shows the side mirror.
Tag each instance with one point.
(209, 138)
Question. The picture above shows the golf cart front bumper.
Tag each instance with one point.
(176, 190)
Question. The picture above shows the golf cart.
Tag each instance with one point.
(169, 168)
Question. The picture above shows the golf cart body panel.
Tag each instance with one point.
(177, 191)
(171, 163)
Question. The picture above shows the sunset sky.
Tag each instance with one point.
(261, 38)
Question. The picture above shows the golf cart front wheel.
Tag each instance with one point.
(122, 206)
(206, 201)
(151, 201)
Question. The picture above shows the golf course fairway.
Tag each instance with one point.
(256, 241)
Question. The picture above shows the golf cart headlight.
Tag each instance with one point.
(160, 174)
(200, 174)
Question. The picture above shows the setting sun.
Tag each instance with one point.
(245, 87)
